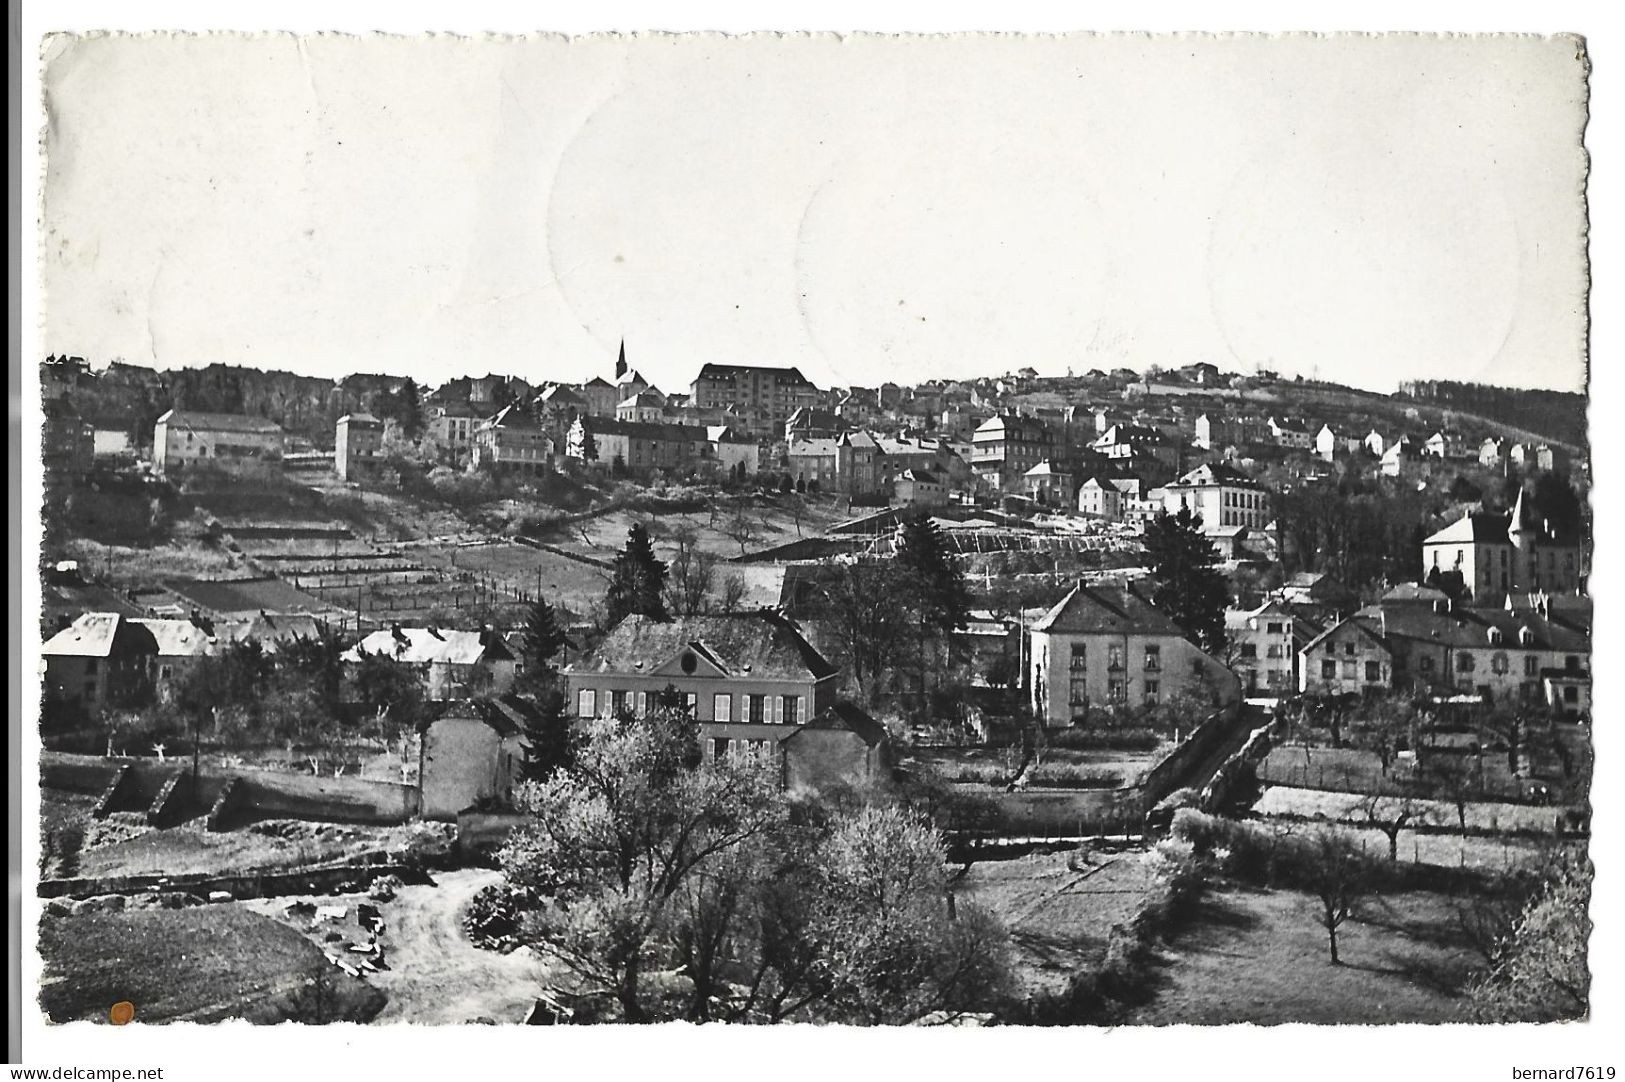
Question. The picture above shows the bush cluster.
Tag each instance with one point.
(1092, 739)
(494, 917)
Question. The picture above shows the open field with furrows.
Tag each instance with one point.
(517, 568)
(1059, 907)
(204, 964)
(1259, 956)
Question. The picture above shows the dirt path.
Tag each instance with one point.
(435, 975)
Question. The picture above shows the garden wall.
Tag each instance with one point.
(261, 793)
(1175, 768)
(333, 878)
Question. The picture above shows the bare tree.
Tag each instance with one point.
(692, 574)
(1340, 878)
(1390, 815)
(742, 526)
(732, 594)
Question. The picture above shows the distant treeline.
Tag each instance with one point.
(1557, 415)
(132, 398)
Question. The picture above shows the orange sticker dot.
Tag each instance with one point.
(122, 1012)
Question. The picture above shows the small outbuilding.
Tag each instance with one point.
(473, 753)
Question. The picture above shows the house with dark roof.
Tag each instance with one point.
(102, 659)
(1528, 651)
(1506, 552)
(639, 446)
(807, 423)
(841, 744)
(232, 441)
(1108, 647)
(1349, 658)
(764, 397)
(512, 441)
(748, 679)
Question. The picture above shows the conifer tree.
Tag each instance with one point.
(542, 640)
(922, 555)
(639, 581)
(1188, 585)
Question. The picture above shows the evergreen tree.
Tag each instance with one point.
(409, 408)
(547, 732)
(921, 555)
(542, 640)
(1188, 585)
(639, 581)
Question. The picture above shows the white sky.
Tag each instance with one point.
(1364, 209)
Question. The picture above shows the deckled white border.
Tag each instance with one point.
(1238, 1052)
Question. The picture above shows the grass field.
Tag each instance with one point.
(563, 581)
(1313, 803)
(1260, 957)
(201, 964)
(1059, 907)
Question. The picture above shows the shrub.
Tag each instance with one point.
(494, 917)
(1090, 739)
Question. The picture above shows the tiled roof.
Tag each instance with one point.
(559, 394)
(732, 371)
(178, 638)
(361, 419)
(1215, 473)
(849, 716)
(1475, 526)
(757, 645)
(1462, 627)
(1106, 610)
(1354, 623)
(218, 422)
(95, 634)
(424, 645)
(647, 430)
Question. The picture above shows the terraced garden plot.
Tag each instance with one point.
(603, 536)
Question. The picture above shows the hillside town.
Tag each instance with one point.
(1124, 648)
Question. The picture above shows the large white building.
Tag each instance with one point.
(1222, 495)
(233, 441)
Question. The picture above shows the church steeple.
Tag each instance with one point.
(1517, 524)
(620, 363)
